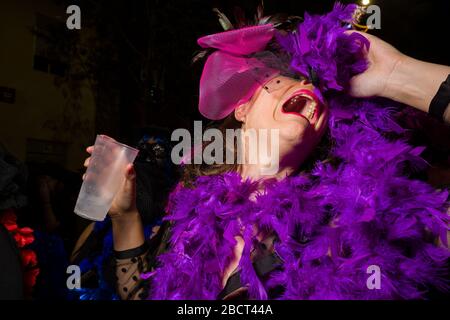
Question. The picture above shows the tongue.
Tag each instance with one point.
(296, 104)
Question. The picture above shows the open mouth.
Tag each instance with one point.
(302, 103)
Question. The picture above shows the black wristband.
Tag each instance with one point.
(441, 100)
(131, 253)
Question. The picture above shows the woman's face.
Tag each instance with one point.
(292, 108)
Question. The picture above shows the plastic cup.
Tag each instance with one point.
(104, 176)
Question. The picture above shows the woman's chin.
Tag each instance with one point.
(294, 132)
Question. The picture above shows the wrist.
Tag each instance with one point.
(125, 217)
(127, 231)
(414, 82)
(398, 78)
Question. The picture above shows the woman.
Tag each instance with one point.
(233, 232)
(94, 249)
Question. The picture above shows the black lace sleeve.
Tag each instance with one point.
(130, 264)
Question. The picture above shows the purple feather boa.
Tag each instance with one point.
(364, 211)
(321, 44)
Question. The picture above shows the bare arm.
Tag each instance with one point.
(128, 232)
(415, 83)
(393, 75)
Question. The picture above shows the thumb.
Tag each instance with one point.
(362, 85)
(130, 178)
(355, 86)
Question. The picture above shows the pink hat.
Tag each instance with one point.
(231, 74)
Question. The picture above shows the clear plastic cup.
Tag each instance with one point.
(104, 176)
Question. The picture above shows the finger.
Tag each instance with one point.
(90, 149)
(86, 162)
(355, 88)
(130, 180)
(130, 172)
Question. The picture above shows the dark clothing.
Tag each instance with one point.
(11, 277)
(130, 264)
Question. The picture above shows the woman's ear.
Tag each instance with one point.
(241, 111)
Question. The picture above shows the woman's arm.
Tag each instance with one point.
(128, 232)
(415, 83)
(128, 237)
(393, 75)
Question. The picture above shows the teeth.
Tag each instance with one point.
(311, 110)
(310, 113)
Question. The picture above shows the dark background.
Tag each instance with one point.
(138, 63)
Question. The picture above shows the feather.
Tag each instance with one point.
(200, 55)
(321, 44)
(259, 12)
(223, 20)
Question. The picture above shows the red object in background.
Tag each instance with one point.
(23, 237)
(28, 257)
